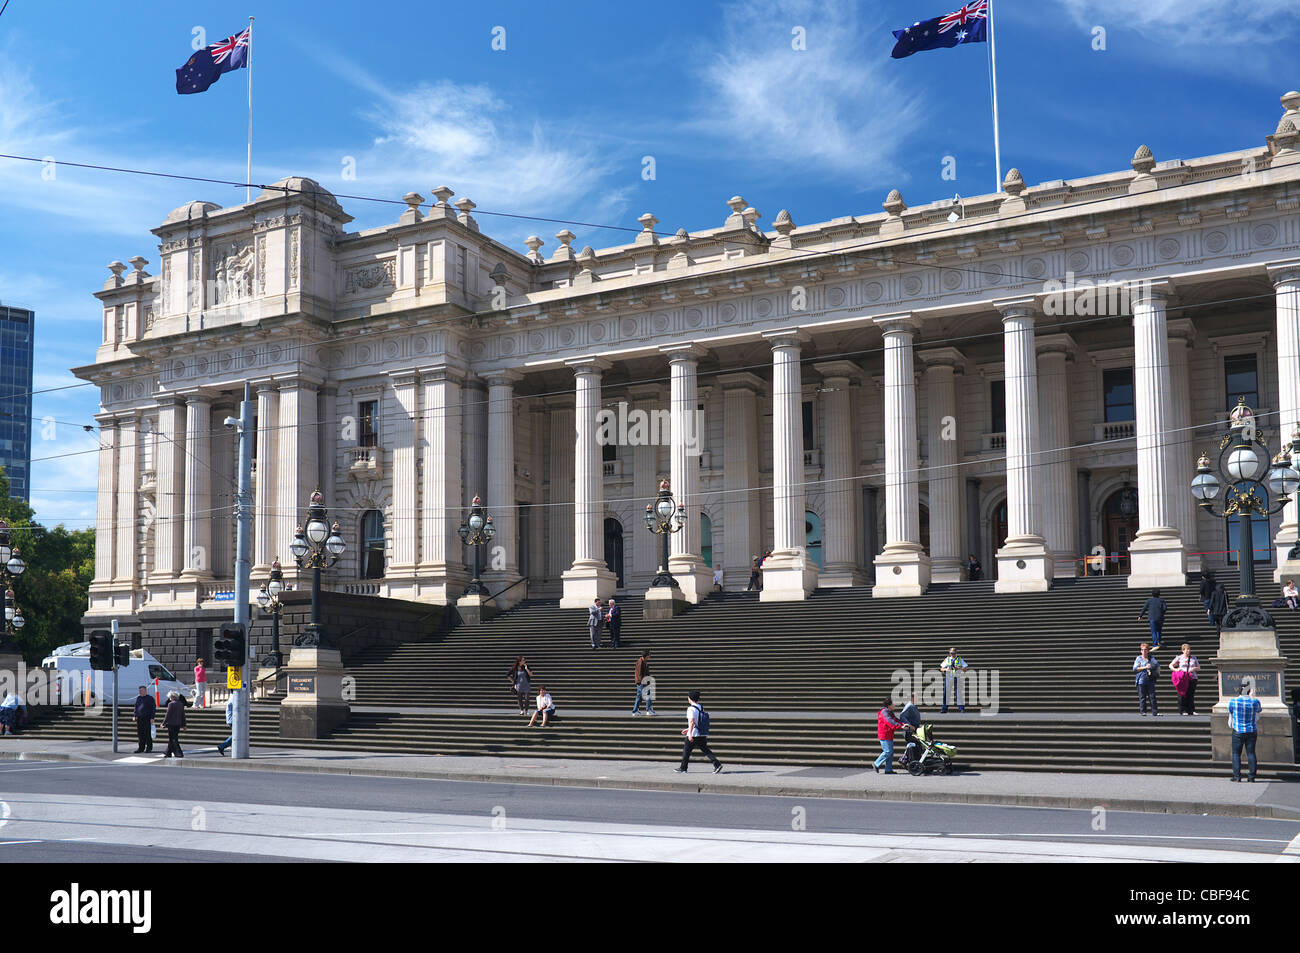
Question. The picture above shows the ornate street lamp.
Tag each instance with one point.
(664, 517)
(476, 530)
(11, 567)
(1243, 457)
(268, 597)
(317, 546)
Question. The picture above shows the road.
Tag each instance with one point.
(136, 811)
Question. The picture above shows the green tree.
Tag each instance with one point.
(53, 591)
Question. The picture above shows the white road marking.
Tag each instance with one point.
(4, 813)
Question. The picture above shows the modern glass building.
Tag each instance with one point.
(17, 330)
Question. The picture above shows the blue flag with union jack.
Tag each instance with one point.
(967, 25)
(206, 66)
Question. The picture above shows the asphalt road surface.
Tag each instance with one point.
(137, 811)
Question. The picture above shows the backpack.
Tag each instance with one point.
(702, 722)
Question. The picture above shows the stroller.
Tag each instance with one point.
(924, 755)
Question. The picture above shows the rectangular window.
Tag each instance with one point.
(368, 419)
(1117, 390)
(998, 407)
(608, 452)
(1240, 379)
(809, 432)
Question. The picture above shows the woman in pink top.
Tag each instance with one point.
(200, 685)
(1188, 664)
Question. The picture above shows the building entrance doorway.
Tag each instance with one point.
(1119, 528)
(614, 548)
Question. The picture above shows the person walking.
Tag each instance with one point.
(595, 622)
(1207, 591)
(910, 716)
(174, 721)
(230, 720)
(545, 708)
(1147, 668)
(697, 734)
(886, 724)
(643, 685)
(1154, 612)
(1218, 605)
(755, 575)
(1243, 719)
(142, 715)
(1185, 669)
(952, 668)
(614, 619)
(200, 685)
(521, 682)
(974, 571)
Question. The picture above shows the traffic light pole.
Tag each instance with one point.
(239, 746)
(114, 630)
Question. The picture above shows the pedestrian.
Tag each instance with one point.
(174, 721)
(1207, 591)
(1147, 669)
(910, 716)
(145, 709)
(697, 734)
(952, 668)
(755, 574)
(230, 720)
(545, 708)
(614, 619)
(717, 579)
(644, 685)
(9, 714)
(1219, 605)
(1291, 594)
(1185, 669)
(521, 682)
(974, 570)
(1243, 719)
(595, 622)
(200, 685)
(886, 724)
(1154, 612)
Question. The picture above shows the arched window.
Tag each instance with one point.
(1260, 538)
(706, 541)
(812, 528)
(372, 545)
(614, 548)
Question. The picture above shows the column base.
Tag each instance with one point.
(475, 610)
(1158, 560)
(901, 571)
(695, 578)
(841, 576)
(947, 569)
(1253, 652)
(788, 576)
(1024, 565)
(1065, 565)
(314, 705)
(586, 582)
(1283, 542)
(107, 599)
(436, 584)
(507, 593)
(662, 602)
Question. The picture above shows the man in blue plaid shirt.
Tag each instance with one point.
(1243, 714)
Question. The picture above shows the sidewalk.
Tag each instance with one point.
(1116, 792)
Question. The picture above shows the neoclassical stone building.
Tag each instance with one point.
(878, 395)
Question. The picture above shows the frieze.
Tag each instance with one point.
(379, 274)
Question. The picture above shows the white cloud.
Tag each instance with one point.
(1191, 22)
(835, 106)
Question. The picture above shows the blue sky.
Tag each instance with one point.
(557, 124)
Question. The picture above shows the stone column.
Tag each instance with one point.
(128, 487)
(788, 574)
(684, 560)
(903, 567)
(840, 528)
(401, 428)
(741, 514)
(974, 536)
(474, 449)
(1157, 553)
(501, 487)
(1182, 442)
(589, 577)
(645, 480)
(871, 535)
(266, 492)
(198, 491)
(946, 561)
(327, 442)
(1055, 465)
(559, 514)
(1083, 506)
(1286, 285)
(168, 537)
(1025, 563)
(297, 466)
(101, 588)
(441, 574)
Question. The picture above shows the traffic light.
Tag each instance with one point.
(123, 650)
(101, 650)
(230, 645)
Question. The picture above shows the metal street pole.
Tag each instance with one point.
(114, 628)
(245, 516)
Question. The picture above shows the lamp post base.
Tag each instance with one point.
(314, 705)
(1252, 652)
(663, 602)
(476, 608)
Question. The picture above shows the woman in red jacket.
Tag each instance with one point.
(886, 724)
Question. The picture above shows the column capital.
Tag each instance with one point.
(167, 399)
(900, 322)
(684, 352)
(1017, 307)
(1183, 330)
(590, 365)
(194, 396)
(1055, 344)
(440, 372)
(504, 378)
(937, 357)
(1150, 291)
(1284, 272)
(839, 370)
(741, 380)
(403, 378)
(786, 337)
(300, 382)
(644, 391)
(259, 384)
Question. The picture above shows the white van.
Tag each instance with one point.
(72, 662)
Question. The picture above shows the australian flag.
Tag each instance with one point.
(206, 66)
(967, 25)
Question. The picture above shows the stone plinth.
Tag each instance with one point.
(663, 602)
(901, 570)
(476, 609)
(1253, 653)
(314, 705)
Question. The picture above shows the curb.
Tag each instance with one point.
(1060, 802)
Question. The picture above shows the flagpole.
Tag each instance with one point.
(993, 71)
(248, 172)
